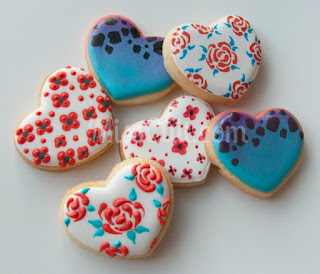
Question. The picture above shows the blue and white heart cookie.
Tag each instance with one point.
(128, 64)
(257, 154)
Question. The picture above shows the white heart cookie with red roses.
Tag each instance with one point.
(72, 126)
(125, 216)
(175, 140)
(216, 63)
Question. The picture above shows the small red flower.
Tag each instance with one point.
(239, 25)
(69, 121)
(146, 123)
(25, 134)
(60, 141)
(107, 124)
(132, 155)
(202, 136)
(86, 81)
(209, 116)
(113, 251)
(186, 173)
(191, 112)
(44, 126)
(179, 146)
(58, 80)
(256, 51)
(60, 100)
(172, 170)
(175, 104)
(200, 158)
(238, 89)
(198, 80)
(156, 138)
(161, 162)
(83, 152)
(191, 130)
(76, 206)
(94, 136)
(179, 41)
(138, 138)
(41, 156)
(104, 104)
(66, 158)
(172, 122)
(89, 113)
(163, 211)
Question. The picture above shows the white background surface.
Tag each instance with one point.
(215, 228)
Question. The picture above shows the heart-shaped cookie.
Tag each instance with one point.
(257, 154)
(128, 64)
(217, 63)
(124, 216)
(175, 140)
(73, 124)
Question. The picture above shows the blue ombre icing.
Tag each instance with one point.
(259, 151)
(127, 63)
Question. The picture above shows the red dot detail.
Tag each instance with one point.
(91, 95)
(149, 150)
(102, 91)
(73, 72)
(167, 137)
(43, 140)
(38, 113)
(201, 123)
(26, 150)
(197, 147)
(181, 126)
(126, 147)
(75, 138)
(68, 67)
(200, 172)
(46, 94)
(51, 114)
(80, 98)
(71, 87)
(166, 154)
(82, 69)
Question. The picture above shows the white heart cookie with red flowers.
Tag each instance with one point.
(217, 63)
(73, 124)
(125, 216)
(175, 140)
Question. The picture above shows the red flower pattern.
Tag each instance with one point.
(255, 49)
(60, 100)
(60, 141)
(146, 177)
(41, 156)
(172, 122)
(191, 112)
(163, 211)
(138, 138)
(238, 89)
(104, 104)
(175, 104)
(89, 113)
(172, 170)
(66, 158)
(58, 80)
(191, 130)
(186, 173)
(69, 121)
(156, 138)
(25, 134)
(179, 40)
(94, 136)
(83, 152)
(202, 29)
(198, 80)
(179, 146)
(76, 206)
(209, 116)
(44, 126)
(200, 158)
(239, 25)
(86, 81)
(107, 124)
(161, 162)
(113, 251)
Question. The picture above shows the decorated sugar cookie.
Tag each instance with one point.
(175, 140)
(124, 216)
(73, 124)
(128, 64)
(217, 63)
(257, 154)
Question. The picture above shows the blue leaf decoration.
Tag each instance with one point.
(250, 30)
(230, 87)
(217, 32)
(117, 244)
(131, 236)
(228, 25)
(253, 61)
(156, 203)
(84, 190)
(189, 70)
(191, 47)
(184, 27)
(96, 223)
(133, 195)
(234, 48)
(129, 176)
(231, 41)
(234, 67)
(184, 53)
(249, 54)
(140, 229)
(99, 233)
(90, 208)
(243, 79)
(246, 36)
(256, 39)
(203, 56)
(209, 35)
(67, 221)
(216, 26)
(215, 71)
(159, 189)
(197, 70)
(209, 91)
(204, 49)
(226, 95)
(250, 83)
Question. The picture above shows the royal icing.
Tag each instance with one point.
(222, 60)
(125, 217)
(127, 63)
(72, 124)
(175, 140)
(260, 151)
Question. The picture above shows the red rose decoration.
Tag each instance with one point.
(138, 138)
(25, 134)
(256, 51)
(60, 141)
(76, 206)
(86, 81)
(186, 173)
(83, 153)
(107, 124)
(239, 25)
(198, 80)
(238, 89)
(172, 122)
(94, 136)
(191, 112)
(44, 126)
(146, 177)
(104, 104)
(58, 80)
(163, 211)
(60, 100)
(69, 121)
(179, 40)
(66, 158)
(41, 156)
(89, 113)
(113, 251)
(125, 216)
(221, 57)
(202, 29)
(179, 146)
